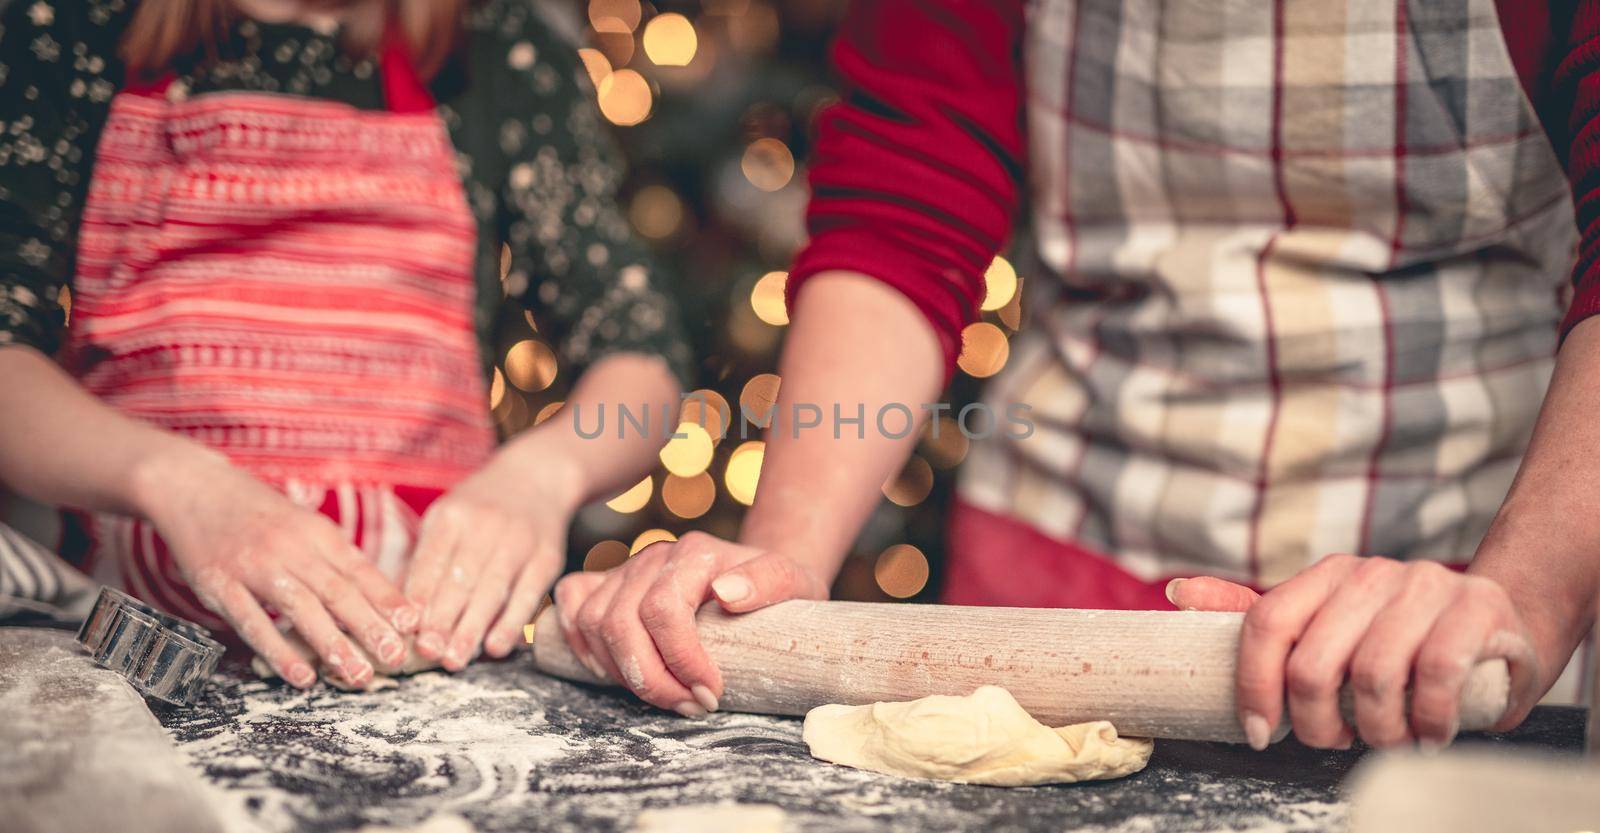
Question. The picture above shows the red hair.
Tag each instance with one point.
(164, 30)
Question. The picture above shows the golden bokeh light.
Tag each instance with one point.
(689, 451)
(511, 414)
(604, 556)
(1011, 314)
(648, 537)
(615, 16)
(949, 448)
(768, 164)
(616, 46)
(689, 497)
(634, 499)
(755, 29)
(596, 64)
(547, 412)
(707, 409)
(670, 40)
(901, 571)
(912, 485)
(625, 97)
(767, 299)
(530, 365)
(497, 389)
(984, 349)
(1000, 284)
(760, 396)
(656, 211)
(744, 471)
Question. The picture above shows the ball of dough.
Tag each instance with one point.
(983, 738)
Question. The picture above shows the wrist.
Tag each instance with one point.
(170, 475)
(1556, 609)
(544, 462)
(803, 537)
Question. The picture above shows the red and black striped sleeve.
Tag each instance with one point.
(916, 171)
(1579, 73)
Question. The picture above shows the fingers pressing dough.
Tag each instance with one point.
(983, 738)
(383, 677)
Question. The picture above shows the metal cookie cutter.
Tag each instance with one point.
(165, 657)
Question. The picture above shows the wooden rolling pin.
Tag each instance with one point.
(1151, 673)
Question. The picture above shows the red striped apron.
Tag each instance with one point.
(288, 281)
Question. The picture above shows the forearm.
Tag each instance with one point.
(62, 446)
(604, 463)
(1544, 545)
(858, 345)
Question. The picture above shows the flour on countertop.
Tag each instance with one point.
(513, 751)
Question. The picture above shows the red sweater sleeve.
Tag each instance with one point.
(915, 172)
(1580, 73)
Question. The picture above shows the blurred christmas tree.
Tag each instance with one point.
(714, 102)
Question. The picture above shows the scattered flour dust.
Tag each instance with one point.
(442, 725)
(726, 817)
(1303, 817)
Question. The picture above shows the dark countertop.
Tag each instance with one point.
(513, 750)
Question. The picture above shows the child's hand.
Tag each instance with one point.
(635, 624)
(241, 545)
(487, 551)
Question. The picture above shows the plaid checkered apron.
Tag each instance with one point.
(1304, 266)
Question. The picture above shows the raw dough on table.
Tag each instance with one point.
(983, 738)
(726, 817)
(414, 663)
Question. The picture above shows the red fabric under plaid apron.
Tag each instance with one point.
(1304, 273)
(288, 281)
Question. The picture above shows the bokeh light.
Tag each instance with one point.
(1000, 282)
(760, 396)
(767, 299)
(511, 415)
(547, 412)
(615, 16)
(604, 556)
(656, 211)
(901, 571)
(625, 98)
(648, 537)
(948, 448)
(596, 64)
(530, 365)
(670, 40)
(984, 349)
(689, 497)
(634, 499)
(768, 164)
(744, 471)
(709, 410)
(754, 29)
(689, 452)
(912, 485)
(497, 389)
